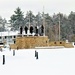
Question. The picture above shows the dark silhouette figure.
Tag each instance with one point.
(21, 29)
(26, 29)
(31, 29)
(42, 29)
(36, 28)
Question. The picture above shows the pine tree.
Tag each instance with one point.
(17, 19)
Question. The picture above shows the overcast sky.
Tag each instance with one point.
(7, 7)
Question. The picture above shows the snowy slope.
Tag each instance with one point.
(50, 62)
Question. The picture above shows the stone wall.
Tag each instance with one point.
(30, 42)
(61, 43)
(56, 43)
(68, 45)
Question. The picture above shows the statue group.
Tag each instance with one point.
(32, 30)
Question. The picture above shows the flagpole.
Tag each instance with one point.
(59, 26)
(44, 20)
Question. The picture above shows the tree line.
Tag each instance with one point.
(67, 23)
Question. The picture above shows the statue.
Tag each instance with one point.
(31, 29)
(36, 28)
(21, 29)
(42, 29)
(26, 29)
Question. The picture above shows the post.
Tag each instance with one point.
(13, 52)
(36, 55)
(44, 20)
(3, 59)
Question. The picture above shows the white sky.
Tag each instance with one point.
(7, 7)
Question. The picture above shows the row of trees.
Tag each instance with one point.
(67, 23)
(2, 24)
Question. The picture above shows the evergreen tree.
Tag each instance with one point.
(2, 24)
(29, 18)
(17, 19)
(71, 19)
(38, 19)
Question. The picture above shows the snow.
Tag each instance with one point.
(9, 33)
(50, 62)
(13, 33)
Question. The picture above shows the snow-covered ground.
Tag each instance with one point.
(51, 62)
